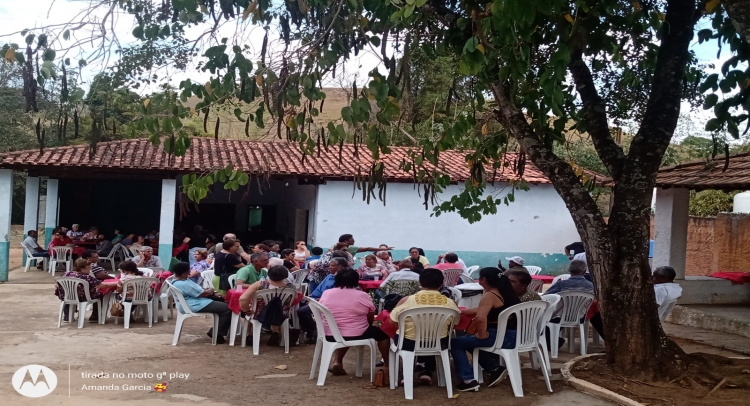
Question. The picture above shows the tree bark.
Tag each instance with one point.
(617, 251)
(739, 13)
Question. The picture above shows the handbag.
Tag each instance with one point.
(471, 329)
(381, 379)
(117, 310)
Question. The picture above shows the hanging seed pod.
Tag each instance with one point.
(205, 120)
(247, 127)
(216, 129)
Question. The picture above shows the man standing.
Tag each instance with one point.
(96, 270)
(349, 240)
(575, 248)
(241, 252)
(253, 271)
(665, 289)
(306, 321)
(36, 251)
(515, 262)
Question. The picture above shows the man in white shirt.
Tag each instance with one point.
(404, 273)
(459, 261)
(665, 289)
(36, 251)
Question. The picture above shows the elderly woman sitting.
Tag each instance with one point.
(276, 280)
(372, 269)
(384, 259)
(354, 312)
(201, 264)
(82, 270)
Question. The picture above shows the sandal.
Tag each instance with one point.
(337, 370)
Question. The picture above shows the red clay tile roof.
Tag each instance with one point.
(701, 175)
(139, 155)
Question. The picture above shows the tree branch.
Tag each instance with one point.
(595, 113)
(663, 106)
(739, 13)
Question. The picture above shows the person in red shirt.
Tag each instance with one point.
(451, 262)
(60, 240)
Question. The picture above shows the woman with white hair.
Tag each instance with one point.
(74, 233)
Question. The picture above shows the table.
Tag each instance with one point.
(81, 242)
(370, 285)
(543, 278)
(470, 302)
(107, 289)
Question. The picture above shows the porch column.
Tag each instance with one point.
(166, 220)
(31, 212)
(670, 229)
(50, 216)
(6, 202)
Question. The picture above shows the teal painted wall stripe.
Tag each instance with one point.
(165, 254)
(4, 261)
(551, 264)
(47, 236)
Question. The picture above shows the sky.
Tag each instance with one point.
(17, 15)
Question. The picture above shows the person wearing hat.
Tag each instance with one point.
(515, 263)
(147, 259)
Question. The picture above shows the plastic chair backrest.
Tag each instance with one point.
(70, 289)
(533, 270)
(466, 279)
(134, 251)
(429, 322)
(232, 279)
(179, 298)
(320, 313)
(553, 299)
(450, 276)
(456, 294)
(147, 272)
(140, 287)
(62, 253)
(470, 271)
(402, 287)
(665, 308)
(208, 278)
(562, 277)
(298, 277)
(28, 252)
(286, 295)
(113, 252)
(574, 306)
(165, 285)
(529, 315)
(535, 286)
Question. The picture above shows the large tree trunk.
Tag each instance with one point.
(739, 13)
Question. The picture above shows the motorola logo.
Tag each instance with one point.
(34, 381)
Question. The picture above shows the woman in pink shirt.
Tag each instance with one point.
(354, 312)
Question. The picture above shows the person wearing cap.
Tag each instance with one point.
(147, 259)
(515, 263)
(74, 234)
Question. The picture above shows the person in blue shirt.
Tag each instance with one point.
(201, 300)
(306, 321)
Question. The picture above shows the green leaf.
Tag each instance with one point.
(77, 95)
(185, 179)
(709, 83)
(66, 35)
(711, 100)
(471, 45)
(45, 72)
(138, 32)
(48, 55)
(346, 114)
(408, 11)
(30, 39)
(375, 40)
(353, 3)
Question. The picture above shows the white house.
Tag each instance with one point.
(134, 186)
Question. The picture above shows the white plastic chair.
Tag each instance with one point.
(533, 270)
(450, 276)
(456, 294)
(574, 308)
(665, 308)
(470, 271)
(287, 296)
(535, 286)
(141, 288)
(70, 298)
(529, 316)
(111, 257)
(552, 299)
(31, 258)
(60, 255)
(466, 279)
(207, 279)
(147, 272)
(232, 280)
(297, 278)
(134, 251)
(562, 277)
(164, 300)
(324, 349)
(429, 323)
(184, 313)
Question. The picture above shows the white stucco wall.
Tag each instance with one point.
(537, 222)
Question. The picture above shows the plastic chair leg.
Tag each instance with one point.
(447, 372)
(545, 371)
(285, 331)
(71, 313)
(360, 359)
(393, 373)
(439, 371)
(127, 307)
(81, 313)
(475, 365)
(233, 328)
(513, 363)
(325, 361)
(60, 314)
(408, 358)
(316, 358)
(554, 337)
(571, 339)
(256, 336)
(243, 332)
(150, 308)
(373, 352)
(215, 335)
(584, 339)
